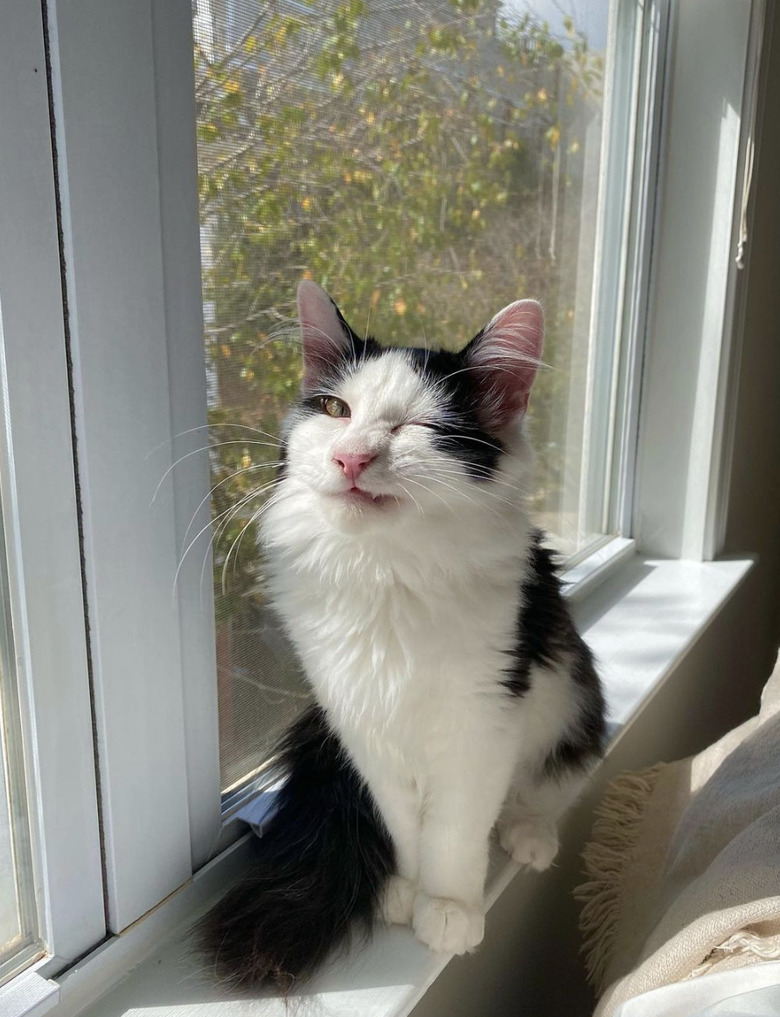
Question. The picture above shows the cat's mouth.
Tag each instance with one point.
(357, 496)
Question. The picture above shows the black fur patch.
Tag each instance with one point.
(460, 433)
(585, 741)
(546, 636)
(545, 631)
(321, 863)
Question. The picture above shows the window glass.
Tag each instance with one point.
(427, 163)
(18, 940)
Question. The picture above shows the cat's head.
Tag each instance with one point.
(383, 433)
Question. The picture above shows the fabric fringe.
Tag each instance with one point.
(613, 838)
(744, 944)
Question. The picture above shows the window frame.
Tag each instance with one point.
(125, 204)
(170, 798)
(41, 514)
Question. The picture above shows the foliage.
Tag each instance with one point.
(418, 166)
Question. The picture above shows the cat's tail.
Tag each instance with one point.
(322, 861)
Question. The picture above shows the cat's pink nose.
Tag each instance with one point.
(353, 463)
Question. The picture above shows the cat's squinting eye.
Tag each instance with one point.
(334, 407)
(412, 423)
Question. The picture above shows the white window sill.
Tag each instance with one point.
(640, 620)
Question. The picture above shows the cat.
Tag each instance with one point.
(453, 693)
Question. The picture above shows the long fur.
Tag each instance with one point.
(454, 692)
(318, 869)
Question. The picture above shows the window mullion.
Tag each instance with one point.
(40, 510)
(106, 119)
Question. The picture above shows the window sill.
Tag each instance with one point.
(640, 620)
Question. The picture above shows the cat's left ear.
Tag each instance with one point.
(505, 357)
(325, 335)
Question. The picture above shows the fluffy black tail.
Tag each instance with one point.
(321, 863)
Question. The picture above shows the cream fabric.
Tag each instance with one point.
(684, 865)
(752, 991)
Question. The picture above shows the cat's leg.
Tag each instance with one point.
(398, 802)
(528, 825)
(463, 800)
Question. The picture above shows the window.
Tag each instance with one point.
(428, 164)
(19, 938)
(115, 778)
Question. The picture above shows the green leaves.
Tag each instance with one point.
(412, 166)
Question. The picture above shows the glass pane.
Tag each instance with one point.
(18, 940)
(427, 163)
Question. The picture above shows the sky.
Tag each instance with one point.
(589, 16)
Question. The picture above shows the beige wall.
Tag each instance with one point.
(754, 497)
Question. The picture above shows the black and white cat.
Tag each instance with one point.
(453, 693)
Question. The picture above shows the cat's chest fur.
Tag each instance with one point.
(400, 647)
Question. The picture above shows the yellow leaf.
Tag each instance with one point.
(400, 306)
(375, 298)
(224, 350)
(541, 95)
(308, 274)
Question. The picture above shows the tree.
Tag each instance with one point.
(416, 165)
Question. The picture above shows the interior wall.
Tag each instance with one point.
(529, 965)
(753, 521)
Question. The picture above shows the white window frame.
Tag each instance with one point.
(40, 511)
(133, 281)
(125, 127)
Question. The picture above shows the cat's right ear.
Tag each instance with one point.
(324, 333)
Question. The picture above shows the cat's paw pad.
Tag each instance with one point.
(398, 901)
(531, 842)
(447, 926)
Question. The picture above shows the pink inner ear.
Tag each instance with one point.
(506, 356)
(323, 337)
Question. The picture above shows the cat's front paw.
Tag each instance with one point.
(398, 901)
(531, 842)
(447, 926)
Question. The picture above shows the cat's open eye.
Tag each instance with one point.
(334, 407)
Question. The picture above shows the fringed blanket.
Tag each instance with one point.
(684, 865)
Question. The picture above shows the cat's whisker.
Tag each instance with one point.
(368, 321)
(481, 475)
(483, 472)
(232, 476)
(208, 427)
(462, 494)
(519, 362)
(435, 494)
(215, 539)
(207, 448)
(478, 441)
(334, 342)
(245, 500)
(234, 510)
(237, 542)
(409, 494)
(192, 543)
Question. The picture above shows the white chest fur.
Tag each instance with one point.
(404, 650)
